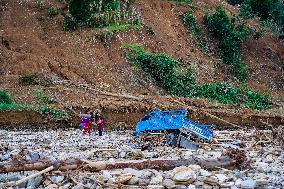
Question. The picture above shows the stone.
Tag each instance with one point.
(184, 174)
(227, 184)
(211, 180)
(191, 187)
(66, 186)
(134, 172)
(156, 180)
(155, 187)
(144, 182)
(34, 156)
(248, 184)
(207, 186)
(123, 178)
(195, 168)
(204, 173)
(222, 178)
(261, 182)
(133, 181)
(34, 182)
(57, 179)
(51, 186)
(238, 182)
(106, 175)
(78, 186)
(168, 183)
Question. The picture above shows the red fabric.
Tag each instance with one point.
(87, 129)
(101, 124)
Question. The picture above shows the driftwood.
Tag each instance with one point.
(158, 164)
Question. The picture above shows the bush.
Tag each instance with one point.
(68, 24)
(220, 25)
(163, 69)
(80, 9)
(150, 30)
(52, 11)
(191, 25)
(34, 79)
(43, 98)
(260, 7)
(5, 98)
(53, 113)
(236, 2)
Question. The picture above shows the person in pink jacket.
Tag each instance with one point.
(100, 122)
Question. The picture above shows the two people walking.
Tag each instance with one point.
(91, 119)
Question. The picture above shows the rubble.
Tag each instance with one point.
(257, 170)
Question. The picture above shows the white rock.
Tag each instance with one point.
(191, 187)
(195, 168)
(221, 177)
(248, 184)
(238, 182)
(212, 180)
(204, 173)
(57, 179)
(156, 180)
(133, 181)
(168, 183)
(51, 186)
(79, 186)
(155, 187)
(106, 175)
(184, 174)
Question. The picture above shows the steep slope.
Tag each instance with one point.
(32, 42)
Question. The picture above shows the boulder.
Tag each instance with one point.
(168, 183)
(248, 184)
(184, 174)
(123, 178)
(211, 180)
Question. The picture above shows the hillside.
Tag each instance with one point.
(32, 41)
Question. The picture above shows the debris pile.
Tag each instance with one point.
(259, 165)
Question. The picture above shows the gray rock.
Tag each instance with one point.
(79, 186)
(155, 187)
(156, 180)
(57, 179)
(34, 182)
(34, 156)
(133, 181)
(51, 186)
(191, 187)
(168, 183)
(5, 157)
(184, 174)
(248, 184)
(212, 180)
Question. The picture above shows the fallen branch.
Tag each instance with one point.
(158, 164)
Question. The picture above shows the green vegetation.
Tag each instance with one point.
(230, 37)
(6, 103)
(5, 98)
(267, 10)
(53, 113)
(68, 24)
(192, 26)
(165, 71)
(114, 15)
(181, 2)
(52, 11)
(39, 4)
(150, 30)
(34, 79)
(121, 28)
(41, 97)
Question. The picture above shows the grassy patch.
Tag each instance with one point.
(229, 35)
(41, 97)
(56, 114)
(121, 28)
(165, 71)
(191, 25)
(34, 79)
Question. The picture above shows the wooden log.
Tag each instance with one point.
(158, 164)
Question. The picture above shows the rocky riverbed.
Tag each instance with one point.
(262, 167)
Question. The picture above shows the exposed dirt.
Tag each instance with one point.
(32, 42)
